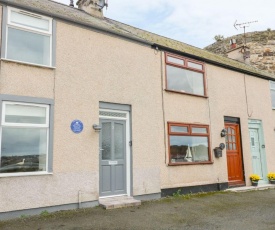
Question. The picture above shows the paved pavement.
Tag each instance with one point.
(223, 210)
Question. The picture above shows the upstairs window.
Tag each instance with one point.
(184, 75)
(272, 93)
(28, 37)
(188, 143)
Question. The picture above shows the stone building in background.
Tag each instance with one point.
(258, 52)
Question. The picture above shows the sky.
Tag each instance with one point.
(193, 22)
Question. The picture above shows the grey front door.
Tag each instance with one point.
(112, 154)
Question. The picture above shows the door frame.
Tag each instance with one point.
(124, 109)
(236, 120)
(257, 124)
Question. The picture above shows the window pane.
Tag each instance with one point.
(179, 129)
(183, 80)
(229, 130)
(188, 149)
(194, 65)
(27, 20)
(106, 141)
(25, 114)
(119, 141)
(199, 130)
(272, 92)
(28, 47)
(175, 60)
(272, 84)
(23, 150)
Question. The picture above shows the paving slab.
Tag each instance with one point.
(118, 202)
(251, 188)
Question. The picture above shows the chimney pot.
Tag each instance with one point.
(91, 7)
(233, 43)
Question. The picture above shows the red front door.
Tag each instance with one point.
(234, 154)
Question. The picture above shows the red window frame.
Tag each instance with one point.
(189, 133)
(185, 66)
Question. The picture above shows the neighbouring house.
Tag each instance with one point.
(93, 108)
(256, 49)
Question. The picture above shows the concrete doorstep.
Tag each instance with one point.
(118, 202)
(251, 188)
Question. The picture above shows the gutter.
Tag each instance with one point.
(87, 25)
(214, 62)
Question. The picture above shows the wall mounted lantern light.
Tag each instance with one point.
(96, 127)
(223, 133)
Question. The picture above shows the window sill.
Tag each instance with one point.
(190, 94)
(191, 163)
(27, 63)
(25, 174)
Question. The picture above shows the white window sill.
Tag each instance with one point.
(25, 174)
(27, 63)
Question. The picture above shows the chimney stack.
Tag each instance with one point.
(233, 43)
(93, 7)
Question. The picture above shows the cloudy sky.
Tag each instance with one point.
(194, 22)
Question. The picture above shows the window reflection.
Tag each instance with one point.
(188, 149)
(23, 149)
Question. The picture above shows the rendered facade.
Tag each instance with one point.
(92, 108)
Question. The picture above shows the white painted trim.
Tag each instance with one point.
(26, 125)
(48, 33)
(128, 148)
(103, 197)
(30, 14)
(29, 125)
(25, 174)
(28, 63)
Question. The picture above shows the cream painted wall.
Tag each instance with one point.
(93, 67)
(97, 67)
(226, 97)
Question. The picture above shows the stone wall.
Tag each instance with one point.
(261, 45)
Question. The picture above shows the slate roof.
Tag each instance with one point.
(75, 15)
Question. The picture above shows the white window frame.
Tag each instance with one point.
(48, 33)
(26, 125)
(271, 89)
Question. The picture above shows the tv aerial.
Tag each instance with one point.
(102, 3)
(243, 25)
(246, 53)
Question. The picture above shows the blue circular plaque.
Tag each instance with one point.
(77, 126)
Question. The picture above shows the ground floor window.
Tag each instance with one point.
(25, 135)
(188, 143)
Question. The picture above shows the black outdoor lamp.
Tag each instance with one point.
(223, 133)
